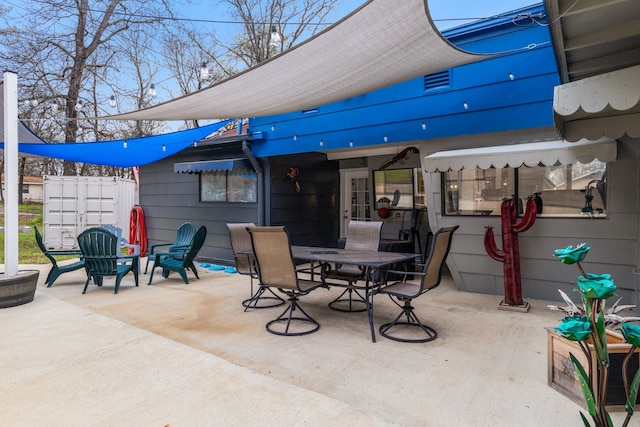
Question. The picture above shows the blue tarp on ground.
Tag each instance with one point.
(121, 153)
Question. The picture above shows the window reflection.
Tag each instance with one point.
(577, 190)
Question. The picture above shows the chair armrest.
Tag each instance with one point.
(153, 247)
(402, 273)
(136, 248)
(64, 252)
(174, 254)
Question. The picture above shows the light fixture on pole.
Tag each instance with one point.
(152, 90)
(276, 39)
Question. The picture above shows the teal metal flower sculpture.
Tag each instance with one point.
(588, 326)
(575, 328)
(571, 255)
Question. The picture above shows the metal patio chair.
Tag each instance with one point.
(403, 292)
(361, 236)
(184, 234)
(276, 269)
(56, 270)
(245, 264)
(181, 259)
(103, 257)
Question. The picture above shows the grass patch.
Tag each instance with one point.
(28, 251)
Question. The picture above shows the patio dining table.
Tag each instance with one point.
(370, 261)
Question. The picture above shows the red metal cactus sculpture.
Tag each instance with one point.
(510, 253)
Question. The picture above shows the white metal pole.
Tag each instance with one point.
(10, 174)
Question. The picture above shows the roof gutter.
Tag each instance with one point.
(256, 166)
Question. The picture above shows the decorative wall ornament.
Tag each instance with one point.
(293, 176)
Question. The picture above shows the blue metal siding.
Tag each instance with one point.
(495, 101)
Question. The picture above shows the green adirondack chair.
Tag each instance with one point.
(180, 260)
(103, 257)
(183, 238)
(56, 270)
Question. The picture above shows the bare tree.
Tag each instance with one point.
(60, 48)
(292, 20)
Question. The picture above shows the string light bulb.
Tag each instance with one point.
(204, 72)
(276, 39)
(112, 102)
(152, 90)
(124, 144)
(321, 143)
(164, 148)
(79, 105)
(465, 105)
(424, 126)
(385, 139)
(511, 76)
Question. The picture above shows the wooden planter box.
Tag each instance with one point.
(562, 376)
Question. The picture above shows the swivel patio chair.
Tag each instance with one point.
(56, 270)
(181, 259)
(361, 236)
(103, 258)
(276, 269)
(245, 264)
(184, 234)
(403, 292)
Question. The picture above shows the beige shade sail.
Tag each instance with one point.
(381, 43)
(606, 105)
(546, 153)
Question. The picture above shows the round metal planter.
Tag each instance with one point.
(18, 289)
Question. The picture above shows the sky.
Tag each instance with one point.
(447, 13)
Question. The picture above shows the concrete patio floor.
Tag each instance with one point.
(172, 354)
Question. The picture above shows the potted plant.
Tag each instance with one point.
(587, 326)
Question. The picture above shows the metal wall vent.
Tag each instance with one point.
(437, 80)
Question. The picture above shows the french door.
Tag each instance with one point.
(355, 199)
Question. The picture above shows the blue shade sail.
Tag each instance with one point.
(124, 152)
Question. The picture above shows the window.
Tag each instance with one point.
(577, 190)
(394, 188)
(228, 186)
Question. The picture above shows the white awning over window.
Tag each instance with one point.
(240, 165)
(529, 154)
(607, 105)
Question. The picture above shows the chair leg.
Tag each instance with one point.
(411, 323)
(86, 284)
(149, 258)
(354, 303)
(52, 276)
(287, 317)
(183, 274)
(151, 276)
(192, 267)
(256, 299)
(118, 278)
